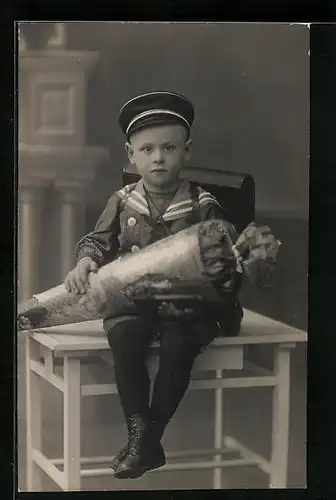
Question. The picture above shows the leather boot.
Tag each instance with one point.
(118, 457)
(124, 451)
(157, 433)
(144, 451)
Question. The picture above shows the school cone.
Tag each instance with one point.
(203, 252)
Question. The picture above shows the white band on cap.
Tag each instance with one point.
(160, 92)
(155, 112)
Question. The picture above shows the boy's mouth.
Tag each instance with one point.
(159, 170)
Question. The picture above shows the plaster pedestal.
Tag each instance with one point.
(53, 152)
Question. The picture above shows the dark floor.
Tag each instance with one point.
(247, 412)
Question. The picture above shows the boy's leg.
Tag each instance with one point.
(129, 340)
(179, 346)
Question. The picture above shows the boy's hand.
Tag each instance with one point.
(77, 279)
(169, 309)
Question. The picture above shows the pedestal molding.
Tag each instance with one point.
(57, 164)
(72, 192)
(57, 59)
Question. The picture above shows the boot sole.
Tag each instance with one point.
(136, 473)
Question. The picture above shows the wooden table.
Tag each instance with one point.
(72, 344)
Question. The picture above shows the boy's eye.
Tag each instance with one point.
(170, 147)
(146, 149)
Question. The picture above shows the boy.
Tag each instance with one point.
(157, 129)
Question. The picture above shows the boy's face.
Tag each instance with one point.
(159, 153)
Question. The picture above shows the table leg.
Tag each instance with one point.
(281, 409)
(218, 438)
(33, 417)
(72, 424)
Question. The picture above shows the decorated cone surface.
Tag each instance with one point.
(203, 252)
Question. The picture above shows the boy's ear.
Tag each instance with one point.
(188, 149)
(130, 153)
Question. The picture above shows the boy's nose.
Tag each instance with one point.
(158, 156)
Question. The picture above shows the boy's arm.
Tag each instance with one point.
(102, 243)
(216, 211)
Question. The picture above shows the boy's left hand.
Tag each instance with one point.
(169, 309)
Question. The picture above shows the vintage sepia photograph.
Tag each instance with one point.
(163, 223)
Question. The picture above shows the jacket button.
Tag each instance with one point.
(135, 248)
(131, 222)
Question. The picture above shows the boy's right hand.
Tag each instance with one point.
(77, 279)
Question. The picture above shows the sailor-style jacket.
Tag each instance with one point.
(126, 224)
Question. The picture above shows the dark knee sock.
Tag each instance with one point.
(178, 351)
(129, 341)
(170, 385)
(173, 377)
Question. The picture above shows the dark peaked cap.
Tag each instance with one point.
(155, 108)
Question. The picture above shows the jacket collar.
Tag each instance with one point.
(179, 207)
